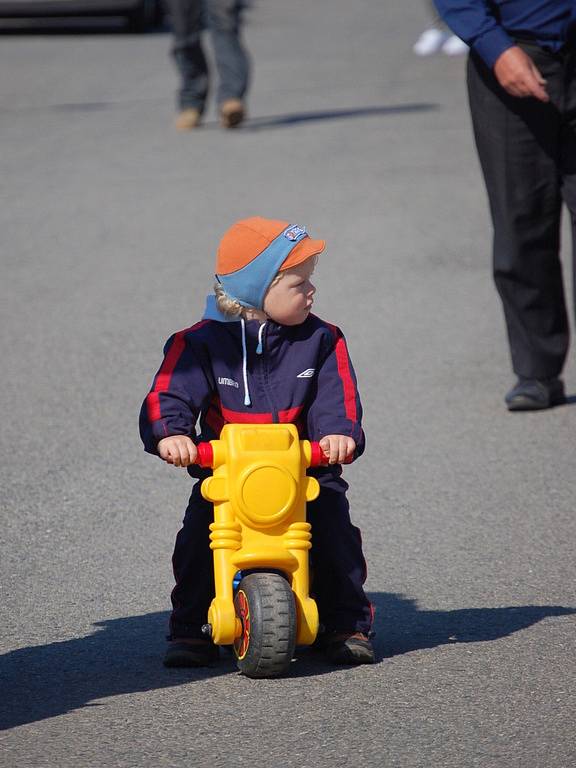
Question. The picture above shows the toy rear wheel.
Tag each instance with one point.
(264, 603)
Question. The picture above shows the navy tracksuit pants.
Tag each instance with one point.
(338, 566)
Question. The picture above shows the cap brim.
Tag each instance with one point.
(304, 250)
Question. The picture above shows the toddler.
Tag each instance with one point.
(260, 356)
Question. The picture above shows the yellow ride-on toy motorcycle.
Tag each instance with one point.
(260, 535)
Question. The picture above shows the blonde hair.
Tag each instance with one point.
(228, 306)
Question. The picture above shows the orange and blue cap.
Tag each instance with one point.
(254, 250)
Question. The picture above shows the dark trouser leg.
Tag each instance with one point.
(568, 158)
(193, 570)
(188, 54)
(519, 146)
(231, 58)
(339, 568)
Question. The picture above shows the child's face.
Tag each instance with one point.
(289, 301)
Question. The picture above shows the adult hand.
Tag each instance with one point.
(519, 76)
(178, 450)
(337, 448)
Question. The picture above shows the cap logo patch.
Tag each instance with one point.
(294, 232)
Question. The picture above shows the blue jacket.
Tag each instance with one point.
(490, 27)
(221, 371)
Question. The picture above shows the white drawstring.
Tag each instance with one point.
(247, 400)
(260, 332)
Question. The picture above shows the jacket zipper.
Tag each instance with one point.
(265, 376)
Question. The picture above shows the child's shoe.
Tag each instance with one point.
(191, 653)
(188, 119)
(231, 113)
(348, 648)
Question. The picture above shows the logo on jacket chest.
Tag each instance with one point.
(228, 382)
(307, 374)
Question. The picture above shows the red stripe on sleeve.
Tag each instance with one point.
(348, 385)
(162, 383)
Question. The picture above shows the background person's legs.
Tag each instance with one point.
(188, 55)
(518, 143)
(232, 62)
(568, 155)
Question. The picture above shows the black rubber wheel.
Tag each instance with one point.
(264, 604)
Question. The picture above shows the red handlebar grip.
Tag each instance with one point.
(317, 455)
(318, 458)
(205, 456)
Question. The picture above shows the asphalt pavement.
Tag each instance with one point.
(109, 222)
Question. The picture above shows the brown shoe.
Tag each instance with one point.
(191, 653)
(349, 648)
(231, 113)
(188, 119)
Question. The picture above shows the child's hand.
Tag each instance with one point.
(337, 448)
(178, 450)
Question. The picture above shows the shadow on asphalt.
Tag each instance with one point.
(299, 118)
(280, 121)
(401, 626)
(256, 123)
(124, 655)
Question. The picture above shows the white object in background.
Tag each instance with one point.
(454, 46)
(430, 42)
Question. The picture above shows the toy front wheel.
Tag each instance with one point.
(264, 603)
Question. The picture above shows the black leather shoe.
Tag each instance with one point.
(191, 653)
(535, 394)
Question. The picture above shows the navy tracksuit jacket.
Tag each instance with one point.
(219, 372)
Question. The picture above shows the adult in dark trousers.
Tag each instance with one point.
(522, 91)
(222, 19)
